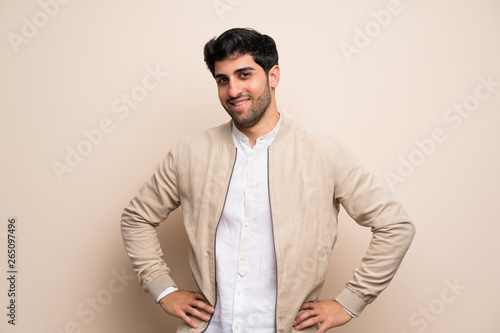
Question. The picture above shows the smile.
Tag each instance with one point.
(239, 102)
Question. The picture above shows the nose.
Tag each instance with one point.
(234, 89)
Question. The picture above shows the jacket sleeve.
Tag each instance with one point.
(372, 205)
(151, 205)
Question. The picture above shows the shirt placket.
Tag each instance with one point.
(248, 216)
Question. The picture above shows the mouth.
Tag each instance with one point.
(239, 102)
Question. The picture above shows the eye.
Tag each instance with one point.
(221, 81)
(245, 75)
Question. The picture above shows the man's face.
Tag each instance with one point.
(243, 89)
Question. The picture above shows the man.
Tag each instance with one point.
(260, 198)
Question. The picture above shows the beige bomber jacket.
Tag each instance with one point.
(310, 175)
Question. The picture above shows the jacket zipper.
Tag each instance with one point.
(215, 237)
(274, 240)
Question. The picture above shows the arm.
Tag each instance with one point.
(372, 205)
(151, 205)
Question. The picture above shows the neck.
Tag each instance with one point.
(264, 126)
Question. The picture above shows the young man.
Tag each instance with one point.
(260, 198)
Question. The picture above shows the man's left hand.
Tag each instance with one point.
(328, 313)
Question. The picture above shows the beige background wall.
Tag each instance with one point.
(385, 87)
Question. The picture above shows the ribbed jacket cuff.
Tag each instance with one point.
(351, 301)
(159, 284)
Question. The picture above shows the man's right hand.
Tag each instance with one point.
(180, 303)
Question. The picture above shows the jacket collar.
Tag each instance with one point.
(227, 136)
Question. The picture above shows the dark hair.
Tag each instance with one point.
(239, 41)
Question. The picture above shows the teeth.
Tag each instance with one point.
(242, 102)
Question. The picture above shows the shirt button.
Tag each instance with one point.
(246, 225)
(239, 292)
(236, 326)
(249, 191)
(242, 258)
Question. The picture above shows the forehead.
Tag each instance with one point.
(234, 62)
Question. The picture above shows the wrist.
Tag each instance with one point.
(164, 293)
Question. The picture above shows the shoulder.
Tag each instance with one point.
(309, 136)
(200, 145)
(204, 139)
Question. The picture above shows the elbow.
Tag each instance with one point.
(407, 232)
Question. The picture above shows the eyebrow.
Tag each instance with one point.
(239, 70)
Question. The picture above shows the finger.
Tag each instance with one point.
(200, 296)
(188, 320)
(309, 322)
(303, 316)
(323, 328)
(203, 306)
(195, 313)
(307, 305)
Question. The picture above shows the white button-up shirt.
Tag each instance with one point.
(245, 254)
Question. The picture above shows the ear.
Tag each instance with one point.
(274, 76)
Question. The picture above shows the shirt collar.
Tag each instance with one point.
(266, 139)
